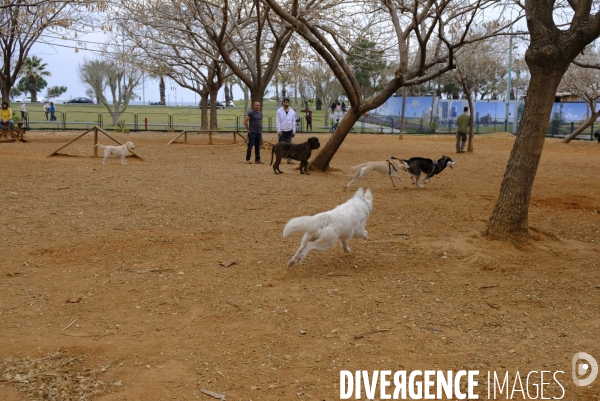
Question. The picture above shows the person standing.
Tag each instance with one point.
(6, 121)
(308, 118)
(253, 124)
(52, 110)
(23, 112)
(464, 122)
(285, 121)
(46, 109)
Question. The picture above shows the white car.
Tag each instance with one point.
(57, 100)
(28, 100)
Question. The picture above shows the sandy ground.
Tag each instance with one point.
(133, 254)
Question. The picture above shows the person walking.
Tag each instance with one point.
(23, 112)
(285, 121)
(308, 118)
(464, 122)
(6, 121)
(253, 124)
(46, 109)
(52, 110)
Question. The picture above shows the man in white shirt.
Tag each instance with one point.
(285, 121)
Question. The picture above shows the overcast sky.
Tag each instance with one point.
(63, 63)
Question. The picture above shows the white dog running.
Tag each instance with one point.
(387, 167)
(323, 230)
(119, 151)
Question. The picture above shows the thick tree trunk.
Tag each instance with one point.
(213, 107)
(509, 218)
(321, 161)
(6, 94)
(203, 110)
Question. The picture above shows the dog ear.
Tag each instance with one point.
(368, 195)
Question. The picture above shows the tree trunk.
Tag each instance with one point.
(509, 218)
(321, 161)
(213, 107)
(6, 94)
(203, 110)
(246, 99)
(582, 127)
(471, 123)
(161, 89)
(403, 116)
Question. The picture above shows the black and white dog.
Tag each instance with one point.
(421, 170)
(597, 136)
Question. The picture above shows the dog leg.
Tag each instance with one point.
(345, 246)
(305, 164)
(357, 177)
(296, 258)
(323, 243)
(276, 165)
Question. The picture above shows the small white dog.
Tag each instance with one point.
(387, 167)
(323, 230)
(119, 151)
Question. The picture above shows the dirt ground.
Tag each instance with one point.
(120, 267)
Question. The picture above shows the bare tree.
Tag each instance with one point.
(22, 22)
(324, 84)
(475, 63)
(417, 34)
(558, 32)
(119, 78)
(584, 82)
(250, 38)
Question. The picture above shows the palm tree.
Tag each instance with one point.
(33, 71)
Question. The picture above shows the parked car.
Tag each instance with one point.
(57, 100)
(28, 100)
(81, 100)
(218, 105)
(230, 104)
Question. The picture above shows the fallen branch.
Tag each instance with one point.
(213, 394)
(70, 324)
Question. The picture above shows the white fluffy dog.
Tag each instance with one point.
(323, 230)
(387, 167)
(119, 151)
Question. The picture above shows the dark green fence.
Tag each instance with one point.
(148, 121)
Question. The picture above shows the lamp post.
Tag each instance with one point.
(174, 88)
(168, 98)
(509, 84)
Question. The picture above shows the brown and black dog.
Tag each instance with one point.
(294, 151)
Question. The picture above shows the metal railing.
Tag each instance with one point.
(146, 121)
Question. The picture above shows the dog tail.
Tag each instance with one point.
(297, 224)
(272, 154)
